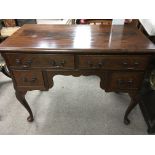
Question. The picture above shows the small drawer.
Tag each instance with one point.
(27, 61)
(125, 80)
(28, 78)
(118, 62)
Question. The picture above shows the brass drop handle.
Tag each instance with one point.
(128, 67)
(32, 80)
(18, 62)
(130, 82)
(92, 65)
(122, 82)
(62, 63)
(27, 63)
(136, 63)
(57, 64)
(52, 62)
(125, 63)
(101, 64)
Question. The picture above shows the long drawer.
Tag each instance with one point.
(118, 62)
(27, 61)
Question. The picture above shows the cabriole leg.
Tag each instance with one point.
(134, 101)
(21, 98)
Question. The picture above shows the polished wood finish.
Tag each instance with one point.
(119, 55)
(80, 38)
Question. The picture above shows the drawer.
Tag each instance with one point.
(117, 62)
(125, 80)
(28, 78)
(27, 61)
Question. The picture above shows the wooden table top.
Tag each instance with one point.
(83, 38)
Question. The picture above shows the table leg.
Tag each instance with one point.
(134, 101)
(21, 98)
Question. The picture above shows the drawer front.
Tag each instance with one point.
(113, 62)
(27, 61)
(28, 78)
(125, 80)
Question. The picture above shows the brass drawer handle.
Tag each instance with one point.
(125, 63)
(52, 62)
(130, 68)
(57, 64)
(130, 82)
(32, 80)
(134, 66)
(26, 64)
(123, 82)
(99, 65)
(62, 63)
(18, 62)
(136, 63)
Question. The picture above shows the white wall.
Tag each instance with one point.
(118, 22)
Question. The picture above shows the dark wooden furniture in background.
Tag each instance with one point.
(94, 21)
(11, 23)
(99, 21)
(119, 55)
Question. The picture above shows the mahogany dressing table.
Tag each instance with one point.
(119, 55)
